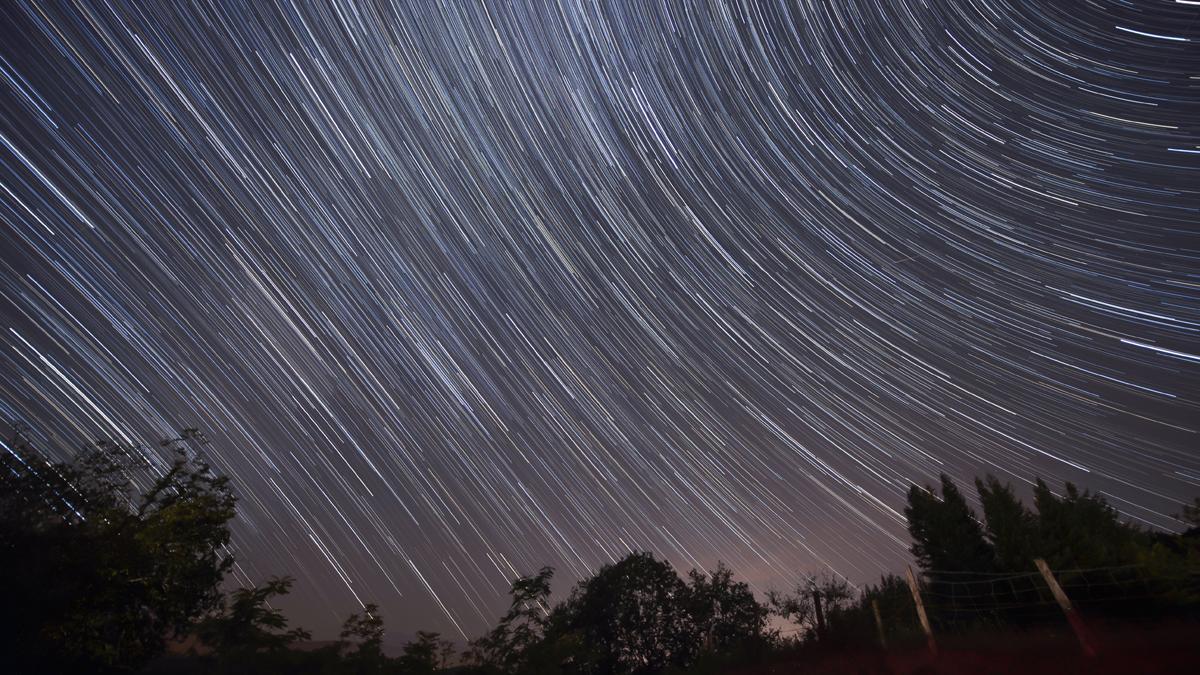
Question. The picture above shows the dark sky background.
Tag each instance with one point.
(459, 289)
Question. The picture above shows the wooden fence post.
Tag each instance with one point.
(816, 596)
(879, 623)
(916, 593)
(1065, 603)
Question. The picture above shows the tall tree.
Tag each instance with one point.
(946, 534)
(1081, 530)
(508, 647)
(1012, 529)
(724, 614)
(361, 640)
(632, 617)
(100, 572)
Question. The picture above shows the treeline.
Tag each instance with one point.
(977, 572)
(114, 555)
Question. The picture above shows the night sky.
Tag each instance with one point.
(458, 289)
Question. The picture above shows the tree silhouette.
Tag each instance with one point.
(247, 622)
(1081, 530)
(800, 606)
(946, 534)
(110, 554)
(1012, 530)
(100, 573)
(426, 654)
(1189, 514)
(632, 617)
(724, 614)
(849, 615)
(363, 631)
(507, 647)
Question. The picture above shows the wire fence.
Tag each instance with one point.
(958, 597)
(962, 603)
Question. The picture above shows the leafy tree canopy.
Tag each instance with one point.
(247, 622)
(110, 553)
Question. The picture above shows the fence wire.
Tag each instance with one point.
(958, 599)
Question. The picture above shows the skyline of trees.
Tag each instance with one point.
(106, 572)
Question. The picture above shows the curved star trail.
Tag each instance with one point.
(459, 289)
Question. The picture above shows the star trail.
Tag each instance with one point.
(457, 289)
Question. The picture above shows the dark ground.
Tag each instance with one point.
(1125, 648)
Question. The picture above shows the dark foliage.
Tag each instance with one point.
(983, 573)
(111, 555)
(517, 639)
(631, 617)
(100, 572)
(427, 654)
(945, 531)
(725, 615)
(1012, 530)
(635, 616)
(247, 622)
(362, 640)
